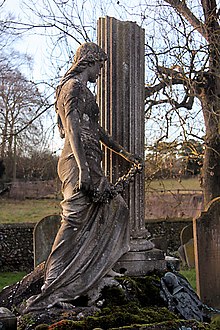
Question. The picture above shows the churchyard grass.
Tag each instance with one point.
(190, 184)
(28, 210)
(190, 275)
(9, 278)
(33, 210)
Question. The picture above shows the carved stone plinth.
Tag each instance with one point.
(137, 263)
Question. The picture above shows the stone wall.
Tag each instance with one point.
(16, 242)
(32, 189)
(166, 234)
(16, 247)
(174, 204)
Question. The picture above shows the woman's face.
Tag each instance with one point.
(94, 71)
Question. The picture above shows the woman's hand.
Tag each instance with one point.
(132, 158)
(103, 192)
(109, 142)
(135, 159)
(104, 186)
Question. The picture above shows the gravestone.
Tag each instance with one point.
(7, 319)
(121, 102)
(187, 246)
(44, 234)
(186, 234)
(206, 230)
(189, 253)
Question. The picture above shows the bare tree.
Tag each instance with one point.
(189, 58)
(182, 62)
(20, 102)
(25, 112)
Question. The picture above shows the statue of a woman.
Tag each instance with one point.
(93, 234)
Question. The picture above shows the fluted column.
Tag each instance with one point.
(121, 101)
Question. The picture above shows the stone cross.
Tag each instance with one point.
(121, 102)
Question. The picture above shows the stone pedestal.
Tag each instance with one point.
(121, 102)
(140, 263)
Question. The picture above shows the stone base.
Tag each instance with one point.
(139, 263)
(141, 244)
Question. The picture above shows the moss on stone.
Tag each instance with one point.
(26, 320)
(215, 323)
(145, 291)
(42, 327)
(103, 324)
(118, 316)
(66, 325)
(167, 325)
(134, 303)
(113, 296)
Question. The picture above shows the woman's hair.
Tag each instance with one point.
(87, 53)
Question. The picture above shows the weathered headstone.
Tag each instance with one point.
(7, 319)
(121, 101)
(189, 253)
(44, 235)
(187, 244)
(186, 234)
(207, 254)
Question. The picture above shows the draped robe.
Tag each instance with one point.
(93, 235)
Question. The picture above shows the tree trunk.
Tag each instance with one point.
(211, 169)
(4, 134)
(211, 165)
(211, 104)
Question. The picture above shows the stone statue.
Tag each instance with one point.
(94, 233)
(181, 298)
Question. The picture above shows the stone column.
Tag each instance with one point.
(121, 101)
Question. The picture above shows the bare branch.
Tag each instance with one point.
(197, 137)
(182, 9)
(171, 76)
(186, 103)
(210, 11)
(2, 3)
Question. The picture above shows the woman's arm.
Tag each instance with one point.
(109, 142)
(74, 137)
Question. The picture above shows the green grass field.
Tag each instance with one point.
(9, 278)
(173, 184)
(190, 275)
(28, 210)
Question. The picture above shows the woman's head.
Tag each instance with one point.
(87, 54)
